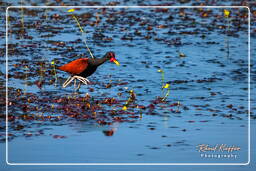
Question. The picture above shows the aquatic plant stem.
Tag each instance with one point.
(162, 81)
(46, 10)
(22, 16)
(167, 94)
(162, 78)
(227, 15)
(83, 35)
(41, 72)
(130, 99)
(55, 74)
(227, 38)
(26, 79)
(178, 107)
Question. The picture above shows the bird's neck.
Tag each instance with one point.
(97, 61)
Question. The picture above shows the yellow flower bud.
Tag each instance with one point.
(226, 13)
(124, 108)
(167, 85)
(71, 10)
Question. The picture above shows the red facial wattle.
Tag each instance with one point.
(113, 59)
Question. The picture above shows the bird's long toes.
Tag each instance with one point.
(87, 80)
(82, 80)
(78, 86)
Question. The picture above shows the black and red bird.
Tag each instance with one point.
(84, 67)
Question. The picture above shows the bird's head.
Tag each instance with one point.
(112, 58)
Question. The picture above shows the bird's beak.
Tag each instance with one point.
(116, 62)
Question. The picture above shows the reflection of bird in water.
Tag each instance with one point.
(83, 127)
(84, 67)
(112, 130)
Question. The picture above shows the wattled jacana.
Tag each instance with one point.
(84, 67)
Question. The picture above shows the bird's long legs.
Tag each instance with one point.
(71, 78)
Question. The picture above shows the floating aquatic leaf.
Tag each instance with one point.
(151, 106)
(39, 84)
(191, 121)
(58, 136)
(108, 132)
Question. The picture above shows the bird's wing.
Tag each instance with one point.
(76, 66)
